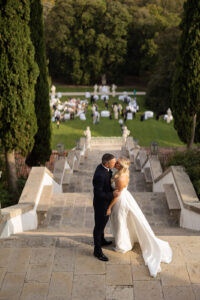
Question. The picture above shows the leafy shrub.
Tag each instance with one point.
(20, 185)
(8, 199)
(5, 196)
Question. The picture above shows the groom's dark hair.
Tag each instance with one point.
(106, 158)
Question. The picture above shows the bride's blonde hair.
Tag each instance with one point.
(125, 163)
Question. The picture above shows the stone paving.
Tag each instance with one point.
(55, 262)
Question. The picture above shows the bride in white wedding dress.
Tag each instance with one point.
(129, 224)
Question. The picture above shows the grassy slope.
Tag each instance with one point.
(146, 132)
(65, 88)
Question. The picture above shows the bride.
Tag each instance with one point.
(129, 224)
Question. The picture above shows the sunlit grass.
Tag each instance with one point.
(146, 132)
(65, 88)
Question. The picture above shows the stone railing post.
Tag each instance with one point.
(87, 133)
(125, 134)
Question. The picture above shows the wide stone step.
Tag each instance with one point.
(68, 196)
(56, 261)
(110, 148)
(73, 212)
(29, 239)
(155, 208)
(106, 141)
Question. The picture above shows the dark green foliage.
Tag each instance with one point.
(158, 96)
(191, 161)
(6, 197)
(86, 39)
(115, 28)
(42, 146)
(18, 74)
(153, 20)
(149, 20)
(186, 86)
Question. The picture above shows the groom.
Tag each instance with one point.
(103, 195)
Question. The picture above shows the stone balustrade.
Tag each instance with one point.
(153, 163)
(186, 195)
(175, 183)
(23, 216)
(74, 158)
(132, 148)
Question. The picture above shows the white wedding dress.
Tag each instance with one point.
(129, 225)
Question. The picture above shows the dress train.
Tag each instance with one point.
(129, 225)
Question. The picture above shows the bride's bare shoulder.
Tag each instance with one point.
(122, 181)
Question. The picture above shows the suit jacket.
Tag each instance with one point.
(103, 192)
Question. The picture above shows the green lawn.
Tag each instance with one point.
(65, 88)
(146, 132)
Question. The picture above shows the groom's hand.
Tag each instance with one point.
(116, 193)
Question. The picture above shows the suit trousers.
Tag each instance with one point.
(100, 223)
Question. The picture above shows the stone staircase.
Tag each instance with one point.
(56, 260)
(71, 212)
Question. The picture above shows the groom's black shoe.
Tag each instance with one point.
(106, 243)
(100, 256)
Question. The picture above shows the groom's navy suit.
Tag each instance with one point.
(103, 194)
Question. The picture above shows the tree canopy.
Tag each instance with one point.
(86, 39)
(159, 92)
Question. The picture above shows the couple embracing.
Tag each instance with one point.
(129, 225)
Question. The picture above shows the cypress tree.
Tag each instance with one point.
(18, 74)
(42, 146)
(186, 85)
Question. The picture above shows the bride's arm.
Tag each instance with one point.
(108, 212)
(120, 183)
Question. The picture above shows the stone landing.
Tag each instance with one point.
(55, 262)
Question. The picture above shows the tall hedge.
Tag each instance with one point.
(186, 86)
(18, 74)
(42, 146)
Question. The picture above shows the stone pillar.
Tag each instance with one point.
(53, 90)
(114, 90)
(169, 114)
(87, 133)
(95, 89)
(125, 134)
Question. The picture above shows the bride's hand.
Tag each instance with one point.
(108, 213)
